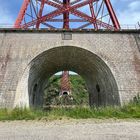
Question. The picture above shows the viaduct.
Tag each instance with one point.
(109, 62)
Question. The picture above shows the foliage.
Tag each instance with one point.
(132, 110)
(79, 92)
(136, 99)
(79, 110)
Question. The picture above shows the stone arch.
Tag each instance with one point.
(101, 84)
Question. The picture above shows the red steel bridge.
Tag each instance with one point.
(74, 14)
(67, 14)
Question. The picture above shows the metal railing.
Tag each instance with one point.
(130, 26)
(123, 26)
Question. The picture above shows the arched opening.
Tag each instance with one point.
(76, 96)
(65, 93)
(101, 84)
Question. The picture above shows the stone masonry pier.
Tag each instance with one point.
(109, 62)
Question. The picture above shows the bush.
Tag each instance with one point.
(127, 111)
(136, 100)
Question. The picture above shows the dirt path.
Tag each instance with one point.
(70, 130)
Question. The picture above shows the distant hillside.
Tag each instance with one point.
(78, 90)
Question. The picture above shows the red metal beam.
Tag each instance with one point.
(65, 9)
(46, 24)
(66, 14)
(83, 26)
(21, 14)
(58, 1)
(56, 12)
(91, 20)
(65, 83)
(70, 20)
(74, 2)
(93, 15)
(82, 15)
(40, 13)
(112, 14)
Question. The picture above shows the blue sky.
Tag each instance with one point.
(128, 11)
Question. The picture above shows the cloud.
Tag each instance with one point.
(128, 11)
(6, 18)
(129, 18)
(134, 6)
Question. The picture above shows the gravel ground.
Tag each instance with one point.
(70, 130)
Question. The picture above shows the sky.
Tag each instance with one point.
(127, 11)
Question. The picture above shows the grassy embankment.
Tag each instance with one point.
(80, 97)
(131, 110)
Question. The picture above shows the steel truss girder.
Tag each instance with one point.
(65, 10)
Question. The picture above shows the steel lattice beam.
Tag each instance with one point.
(67, 9)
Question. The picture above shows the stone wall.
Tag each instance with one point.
(111, 59)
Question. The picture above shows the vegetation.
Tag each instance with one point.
(132, 110)
(80, 110)
(78, 89)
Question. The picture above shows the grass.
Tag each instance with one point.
(78, 89)
(131, 111)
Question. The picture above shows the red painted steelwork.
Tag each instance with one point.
(98, 14)
(112, 14)
(65, 83)
(21, 14)
(40, 13)
(66, 14)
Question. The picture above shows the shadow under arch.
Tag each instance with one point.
(100, 81)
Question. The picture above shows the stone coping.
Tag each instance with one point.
(11, 30)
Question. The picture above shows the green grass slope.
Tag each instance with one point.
(78, 92)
